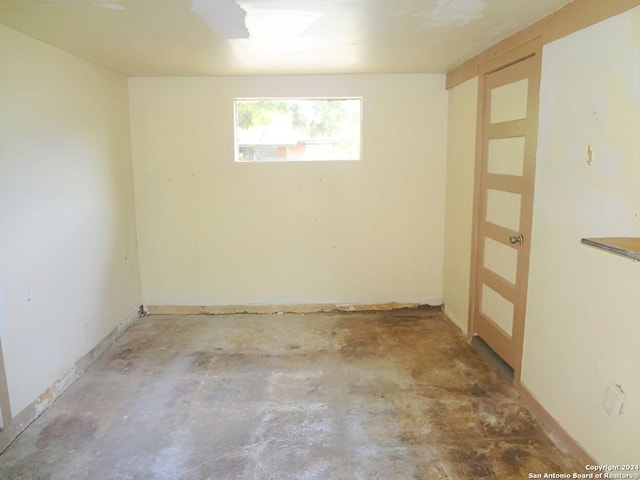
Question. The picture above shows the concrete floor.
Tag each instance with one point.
(387, 395)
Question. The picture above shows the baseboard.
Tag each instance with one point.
(255, 309)
(23, 419)
(559, 434)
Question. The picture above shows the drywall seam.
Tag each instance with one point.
(132, 191)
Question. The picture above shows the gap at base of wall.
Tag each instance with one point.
(558, 434)
(267, 309)
(23, 419)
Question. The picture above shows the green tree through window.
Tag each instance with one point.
(298, 129)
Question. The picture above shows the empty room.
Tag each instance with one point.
(304, 239)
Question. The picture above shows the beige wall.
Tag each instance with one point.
(213, 232)
(461, 151)
(68, 263)
(583, 317)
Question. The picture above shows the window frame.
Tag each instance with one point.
(236, 144)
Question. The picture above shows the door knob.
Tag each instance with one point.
(516, 239)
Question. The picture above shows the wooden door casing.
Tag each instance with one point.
(521, 63)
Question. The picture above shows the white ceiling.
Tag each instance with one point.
(228, 37)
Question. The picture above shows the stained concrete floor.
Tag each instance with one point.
(387, 395)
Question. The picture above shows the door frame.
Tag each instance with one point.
(527, 50)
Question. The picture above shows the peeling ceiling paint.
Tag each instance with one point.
(455, 13)
(246, 37)
(110, 4)
(224, 17)
(278, 35)
(265, 24)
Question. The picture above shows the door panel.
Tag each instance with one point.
(498, 309)
(503, 208)
(506, 164)
(509, 101)
(501, 259)
(506, 156)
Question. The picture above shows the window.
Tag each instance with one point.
(297, 129)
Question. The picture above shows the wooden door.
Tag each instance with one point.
(508, 118)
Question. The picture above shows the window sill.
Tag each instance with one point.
(625, 246)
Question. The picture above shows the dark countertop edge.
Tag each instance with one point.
(610, 248)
